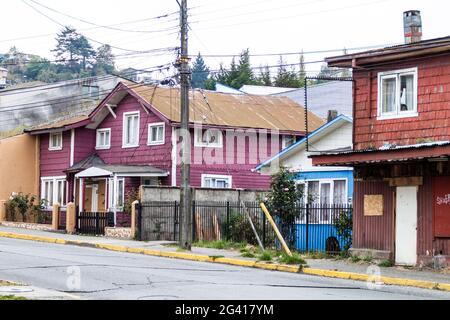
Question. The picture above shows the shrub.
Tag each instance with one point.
(130, 197)
(265, 256)
(344, 227)
(26, 205)
(294, 259)
(386, 263)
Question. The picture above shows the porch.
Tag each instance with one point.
(106, 189)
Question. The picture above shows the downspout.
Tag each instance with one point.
(174, 158)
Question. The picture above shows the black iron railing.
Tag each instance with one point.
(94, 223)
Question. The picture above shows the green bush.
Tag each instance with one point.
(265, 256)
(344, 227)
(294, 259)
(25, 205)
(386, 263)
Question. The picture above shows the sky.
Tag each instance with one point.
(219, 27)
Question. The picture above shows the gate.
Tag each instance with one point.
(94, 223)
(159, 221)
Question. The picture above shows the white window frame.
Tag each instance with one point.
(51, 147)
(54, 195)
(217, 177)
(396, 74)
(284, 142)
(199, 133)
(97, 143)
(113, 194)
(124, 129)
(157, 142)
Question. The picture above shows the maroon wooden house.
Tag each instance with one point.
(131, 139)
(401, 151)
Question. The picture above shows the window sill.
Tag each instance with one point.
(103, 148)
(398, 116)
(130, 147)
(208, 146)
(55, 149)
(150, 144)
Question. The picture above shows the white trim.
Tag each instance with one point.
(215, 176)
(54, 181)
(93, 172)
(218, 144)
(125, 115)
(72, 147)
(397, 114)
(105, 147)
(149, 133)
(80, 195)
(328, 180)
(174, 157)
(146, 175)
(50, 147)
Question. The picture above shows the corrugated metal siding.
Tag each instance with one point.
(374, 232)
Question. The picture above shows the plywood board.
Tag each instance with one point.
(373, 205)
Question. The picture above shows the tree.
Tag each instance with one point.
(282, 202)
(200, 73)
(287, 78)
(265, 78)
(244, 72)
(35, 67)
(72, 47)
(105, 61)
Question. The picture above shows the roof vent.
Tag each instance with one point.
(412, 22)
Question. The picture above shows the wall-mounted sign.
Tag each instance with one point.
(373, 205)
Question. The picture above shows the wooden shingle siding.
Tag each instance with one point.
(85, 140)
(433, 122)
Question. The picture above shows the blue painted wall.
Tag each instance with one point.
(324, 175)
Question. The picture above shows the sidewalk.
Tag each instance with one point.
(321, 267)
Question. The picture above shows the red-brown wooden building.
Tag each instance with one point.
(401, 151)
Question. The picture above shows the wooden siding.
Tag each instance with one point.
(85, 140)
(158, 156)
(433, 122)
(53, 163)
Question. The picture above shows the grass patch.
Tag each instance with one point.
(295, 259)
(247, 254)
(10, 298)
(220, 244)
(368, 259)
(265, 256)
(317, 255)
(386, 263)
(355, 259)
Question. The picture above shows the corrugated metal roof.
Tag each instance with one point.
(242, 111)
(59, 124)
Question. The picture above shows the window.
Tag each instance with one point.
(91, 92)
(289, 141)
(56, 141)
(327, 191)
(216, 181)
(208, 138)
(103, 139)
(156, 134)
(54, 191)
(397, 94)
(116, 199)
(130, 130)
(149, 181)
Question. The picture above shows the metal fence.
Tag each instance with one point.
(315, 228)
(94, 223)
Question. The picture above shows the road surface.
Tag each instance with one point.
(90, 273)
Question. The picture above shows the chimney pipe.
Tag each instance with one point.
(412, 22)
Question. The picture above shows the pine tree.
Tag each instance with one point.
(105, 61)
(200, 73)
(287, 78)
(264, 77)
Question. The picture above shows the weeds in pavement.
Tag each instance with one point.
(220, 244)
(294, 259)
(386, 263)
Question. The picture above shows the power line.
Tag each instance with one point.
(102, 26)
(60, 24)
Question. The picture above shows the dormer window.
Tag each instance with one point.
(55, 141)
(397, 94)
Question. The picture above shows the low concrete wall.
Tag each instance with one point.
(201, 194)
(29, 226)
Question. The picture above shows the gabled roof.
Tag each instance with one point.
(60, 125)
(325, 129)
(222, 88)
(217, 109)
(91, 161)
(404, 51)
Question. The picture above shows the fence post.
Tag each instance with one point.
(307, 227)
(55, 216)
(2, 210)
(71, 218)
(134, 207)
(194, 229)
(175, 219)
(228, 220)
(97, 223)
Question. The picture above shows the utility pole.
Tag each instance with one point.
(185, 197)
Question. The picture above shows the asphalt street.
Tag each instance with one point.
(88, 273)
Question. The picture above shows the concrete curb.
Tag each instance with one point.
(238, 262)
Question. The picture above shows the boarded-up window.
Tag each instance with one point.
(442, 207)
(373, 205)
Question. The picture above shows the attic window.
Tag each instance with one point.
(397, 94)
(55, 141)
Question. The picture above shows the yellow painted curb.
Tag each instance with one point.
(237, 262)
